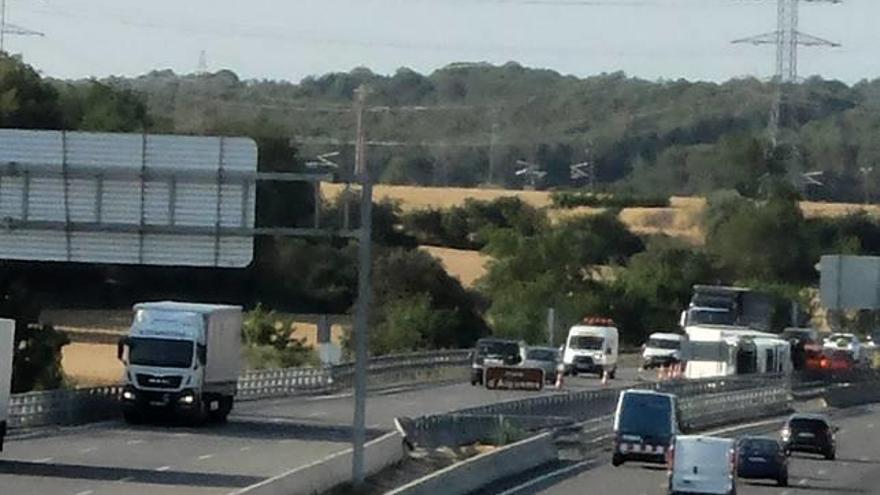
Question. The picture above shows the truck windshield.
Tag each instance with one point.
(586, 342)
(162, 353)
(646, 415)
(710, 317)
(664, 344)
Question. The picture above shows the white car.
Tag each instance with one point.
(701, 464)
(662, 349)
(845, 342)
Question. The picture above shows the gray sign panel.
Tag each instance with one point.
(127, 198)
(850, 282)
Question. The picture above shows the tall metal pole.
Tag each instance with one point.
(362, 314)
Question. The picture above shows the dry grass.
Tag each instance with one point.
(816, 210)
(89, 365)
(467, 266)
(414, 198)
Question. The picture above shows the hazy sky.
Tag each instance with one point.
(290, 39)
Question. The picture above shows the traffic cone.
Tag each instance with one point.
(558, 379)
(604, 377)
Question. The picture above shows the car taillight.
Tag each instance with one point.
(670, 457)
(732, 457)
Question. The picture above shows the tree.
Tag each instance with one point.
(764, 241)
(410, 276)
(412, 324)
(25, 100)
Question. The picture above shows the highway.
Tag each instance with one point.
(856, 470)
(262, 439)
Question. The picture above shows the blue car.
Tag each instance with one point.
(762, 458)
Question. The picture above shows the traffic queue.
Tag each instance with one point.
(648, 429)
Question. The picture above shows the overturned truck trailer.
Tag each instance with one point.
(719, 350)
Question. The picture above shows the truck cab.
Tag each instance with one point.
(7, 346)
(182, 360)
(592, 348)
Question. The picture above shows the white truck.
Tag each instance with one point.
(7, 345)
(592, 348)
(181, 359)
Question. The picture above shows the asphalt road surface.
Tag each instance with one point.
(262, 439)
(856, 470)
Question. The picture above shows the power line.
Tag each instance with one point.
(13, 29)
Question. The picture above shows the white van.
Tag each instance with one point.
(662, 349)
(701, 464)
(592, 348)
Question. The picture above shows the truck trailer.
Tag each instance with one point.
(720, 350)
(734, 306)
(181, 360)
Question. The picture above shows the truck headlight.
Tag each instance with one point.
(127, 395)
(187, 398)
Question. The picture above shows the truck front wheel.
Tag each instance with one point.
(224, 407)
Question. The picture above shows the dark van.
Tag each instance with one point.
(495, 352)
(645, 425)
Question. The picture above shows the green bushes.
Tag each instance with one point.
(574, 199)
(268, 342)
(37, 361)
(467, 226)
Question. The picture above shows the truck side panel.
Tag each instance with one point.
(7, 345)
(223, 337)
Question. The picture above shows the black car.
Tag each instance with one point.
(811, 433)
(494, 352)
(761, 458)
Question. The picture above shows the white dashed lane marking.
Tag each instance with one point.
(205, 457)
(163, 468)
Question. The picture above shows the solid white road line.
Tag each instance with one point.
(43, 460)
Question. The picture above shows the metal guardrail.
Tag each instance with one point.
(77, 406)
(703, 403)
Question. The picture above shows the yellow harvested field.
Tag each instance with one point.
(467, 266)
(815, 210)
(309, 332)
(89, 365)
(414, 198)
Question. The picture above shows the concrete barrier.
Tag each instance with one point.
(852, 394)
(331, 471)
(476, 472)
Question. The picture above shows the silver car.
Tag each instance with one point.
(545, 358)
